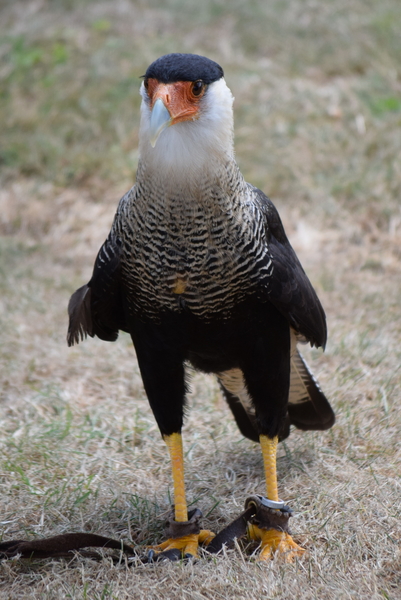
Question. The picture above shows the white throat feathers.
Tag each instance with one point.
(193, 150)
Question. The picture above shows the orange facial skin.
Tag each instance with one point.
(180, 98)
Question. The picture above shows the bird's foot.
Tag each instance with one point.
(181, 547)
(273, 541)
(269, 525)
(183, 540)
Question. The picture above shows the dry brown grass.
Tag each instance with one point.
(318, 118)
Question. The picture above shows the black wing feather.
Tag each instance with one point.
(79, 311)
(289, 287)
(97, 307)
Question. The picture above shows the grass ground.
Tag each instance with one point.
(318, 127)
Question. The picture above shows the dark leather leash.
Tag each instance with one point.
(258, 510)
(59, 546)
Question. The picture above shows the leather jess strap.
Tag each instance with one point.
(62, 546)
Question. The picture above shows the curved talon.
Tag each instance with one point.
(187, 545)
(173, 555)
(206, 536)
(275, 541)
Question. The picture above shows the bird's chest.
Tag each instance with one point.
(190, 260)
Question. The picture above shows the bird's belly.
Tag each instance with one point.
(206, 290)
(180, 293)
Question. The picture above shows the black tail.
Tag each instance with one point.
(308, 407)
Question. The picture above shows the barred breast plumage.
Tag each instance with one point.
(201, 250)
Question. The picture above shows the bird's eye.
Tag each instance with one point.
(198, 87)
(146, 84)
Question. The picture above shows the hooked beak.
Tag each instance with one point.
(160, 118)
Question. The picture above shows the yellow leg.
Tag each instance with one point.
(186, 544)
(269, 453)
(174, 445)
(273, 540)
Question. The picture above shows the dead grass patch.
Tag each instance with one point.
(317, 127)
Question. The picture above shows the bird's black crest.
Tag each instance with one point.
(184, 67)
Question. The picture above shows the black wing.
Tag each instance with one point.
(97, 307)
(289, 288)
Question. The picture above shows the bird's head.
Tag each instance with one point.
(186, 111)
